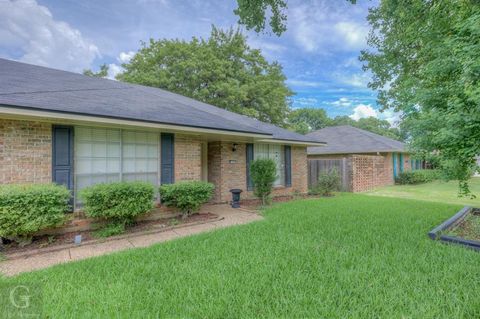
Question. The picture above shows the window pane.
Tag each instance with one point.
(276, 153)
(141, 150)
(113, 150)
(84, 166)
(99, 150)
(99, 165)
(84, 148)
(128, 165)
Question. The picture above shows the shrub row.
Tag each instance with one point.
(26, 209)
(417, 177)
(186, 196)
(119, 201)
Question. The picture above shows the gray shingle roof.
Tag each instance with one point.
(346, 139)
(45, 89)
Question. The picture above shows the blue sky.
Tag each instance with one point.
(319, 52)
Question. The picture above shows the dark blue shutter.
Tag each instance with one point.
(62, 156)
(249, 160)
(167, 160)
(288, 166)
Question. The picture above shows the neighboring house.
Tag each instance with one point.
(78, 130)
(372, 160)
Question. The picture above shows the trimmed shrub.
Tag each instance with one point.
(263, 172)
(186, 196)
(417, 177)
(26, 209)
(328, 183)
(119, 201)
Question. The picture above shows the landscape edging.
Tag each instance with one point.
(435, 234)
(40, 251)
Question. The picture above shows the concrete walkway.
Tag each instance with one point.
(230, 217)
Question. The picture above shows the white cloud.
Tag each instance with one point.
(29, 27)
(324, 26)
(391, 116)
(354, 34)
(343, 101)
(125, 57)
(113, 70)
(362, 111)
(357, 80)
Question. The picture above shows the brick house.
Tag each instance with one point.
(62, 127)
(371, 160)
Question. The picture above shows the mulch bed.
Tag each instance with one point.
(469, 228)
(68, 238)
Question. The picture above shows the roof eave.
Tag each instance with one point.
(25, 112)
(292, 142)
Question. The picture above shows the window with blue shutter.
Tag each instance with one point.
(167, 160)
(288, 166)
(62, 156)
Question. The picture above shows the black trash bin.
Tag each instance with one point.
(235, 197)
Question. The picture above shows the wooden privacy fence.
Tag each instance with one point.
(320, 166)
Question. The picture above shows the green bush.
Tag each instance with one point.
(328, 183)
(263, 173)
(417, 177)
(186, 196)
(119, 201)
(26, 209)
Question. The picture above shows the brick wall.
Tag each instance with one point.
(370, 171)
(188, 158)
(25, 152)
(227, 170)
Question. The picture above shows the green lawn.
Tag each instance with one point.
(351, 256)
(438, 191)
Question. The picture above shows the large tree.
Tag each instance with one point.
(221, 70)
(426, 63)
(305, 120)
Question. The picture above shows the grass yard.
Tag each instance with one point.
(437, 191)
(351, 256)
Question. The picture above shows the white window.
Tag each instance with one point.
(275, 152)
(108, 155)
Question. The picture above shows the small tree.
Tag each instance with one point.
(263, 173)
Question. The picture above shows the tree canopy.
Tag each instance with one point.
(102, 73)
(425, 61)
(306, 120)
(221, 70)
(255, 13)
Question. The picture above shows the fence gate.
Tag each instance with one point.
(320, 166)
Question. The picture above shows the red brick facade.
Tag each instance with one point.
(25, 152)
(188, 158)
(26, 157)
(370, 171)
(367, 171)
(227, 169)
